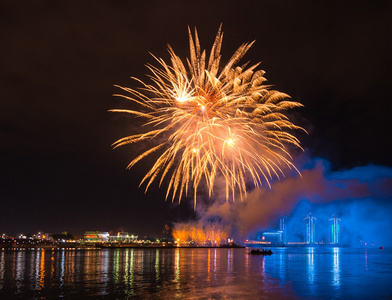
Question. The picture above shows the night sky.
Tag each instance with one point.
(60, 59)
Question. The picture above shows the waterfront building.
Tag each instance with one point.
(103, 236)
(96, 236)
(123, 237)
(91, 236)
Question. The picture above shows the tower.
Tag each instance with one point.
(310, 229)
(335, 229)
(282, 230)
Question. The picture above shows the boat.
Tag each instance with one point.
(260, 252)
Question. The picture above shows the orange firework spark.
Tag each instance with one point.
(221, 120)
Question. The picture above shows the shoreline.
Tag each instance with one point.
(101, 246)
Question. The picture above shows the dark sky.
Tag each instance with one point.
(60, 59)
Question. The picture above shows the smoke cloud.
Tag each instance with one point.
(361, 197)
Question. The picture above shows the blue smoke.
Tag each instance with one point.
(360, 197)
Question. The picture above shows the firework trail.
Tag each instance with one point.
(221, 120)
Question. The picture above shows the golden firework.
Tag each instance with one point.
(219, 121)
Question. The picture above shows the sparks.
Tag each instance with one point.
(219, 121)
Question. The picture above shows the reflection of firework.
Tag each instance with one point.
(220, 120)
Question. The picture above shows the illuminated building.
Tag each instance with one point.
(96, 236)
(335, 230)
(310, 229)
(282, 228)
(103, 236)
(123, 237)
(91, 236)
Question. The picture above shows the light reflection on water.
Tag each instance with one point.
(336, 267)
(292, 273)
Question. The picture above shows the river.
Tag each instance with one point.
(196, 273)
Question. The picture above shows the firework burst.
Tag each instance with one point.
(220, 120)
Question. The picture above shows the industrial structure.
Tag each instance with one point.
(335, 230)
(310, 229)
(279, 237)
(282, 229)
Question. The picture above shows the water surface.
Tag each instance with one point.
(197, 273)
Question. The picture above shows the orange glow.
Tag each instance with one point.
(210, 235)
